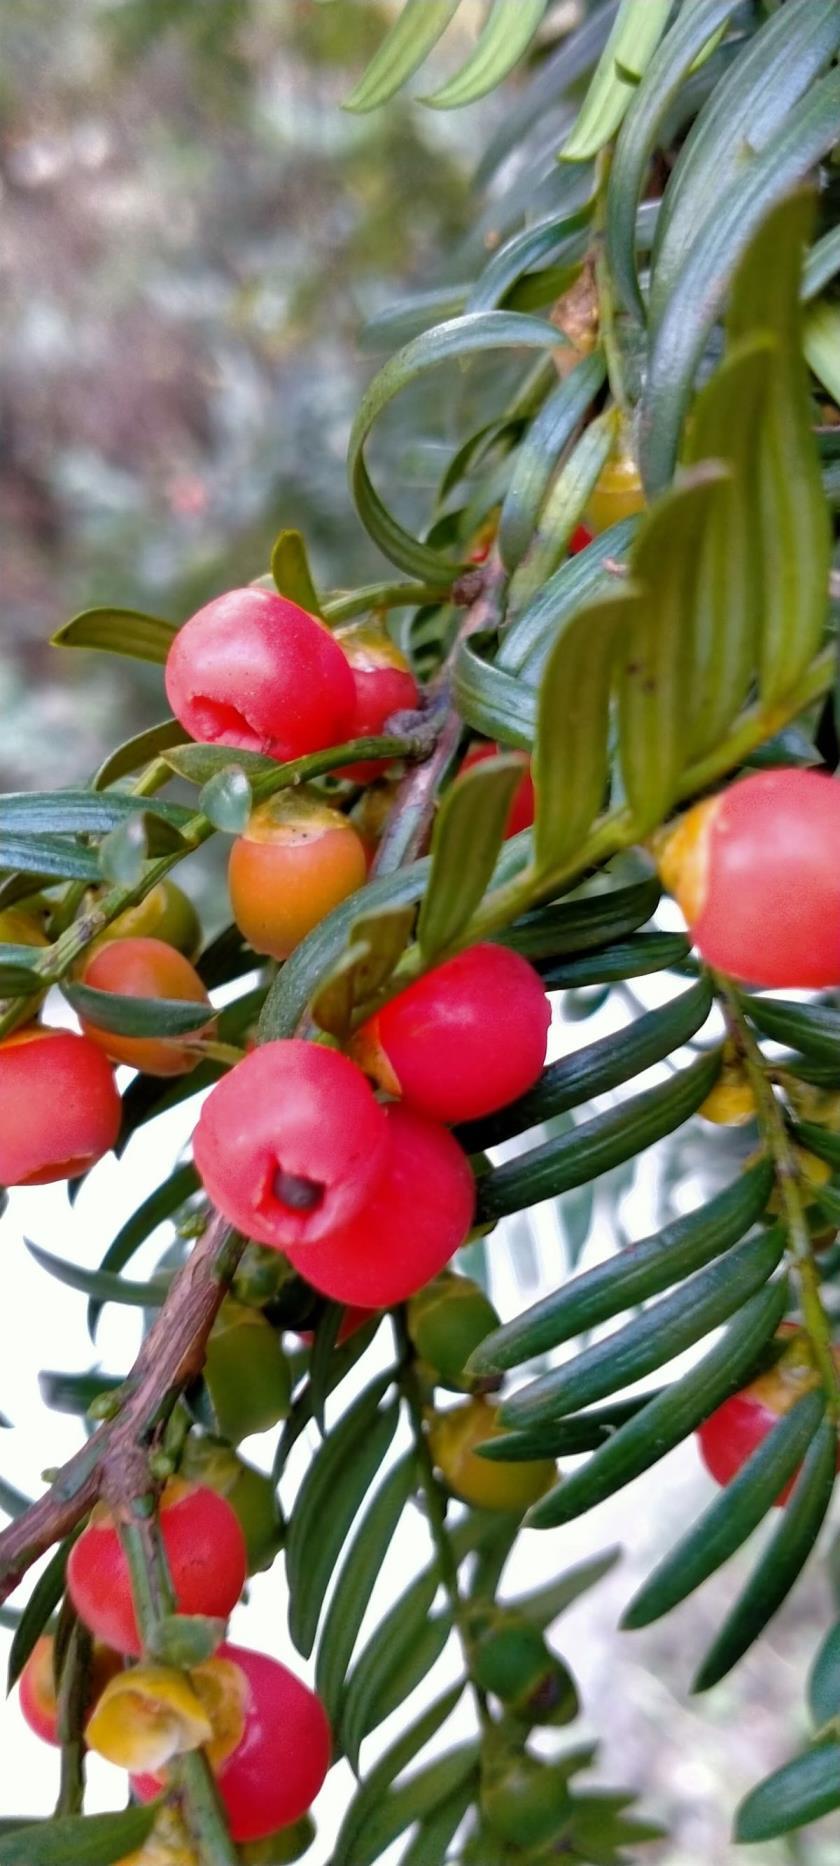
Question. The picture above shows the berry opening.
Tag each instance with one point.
(225, 724)
(297, 1193)
(60, 1169)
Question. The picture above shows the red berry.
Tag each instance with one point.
(38, 1700)
(756, 874)
(523, 807)
(205, 1552)
(291, 1142)
(742, 1423)
(464, 1040)
(580, 538)
(296, 859)
(59, 1106)
(384, 684)
(146, 968)
(272, 1774)
(419, 1213)
(254, 671)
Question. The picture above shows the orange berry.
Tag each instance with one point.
(296, 860)
(146, 968)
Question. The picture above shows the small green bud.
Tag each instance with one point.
(246, 1373)
(446, 1321)
(526, 1802)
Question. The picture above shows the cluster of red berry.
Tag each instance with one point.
(345, 1162)
(247, 1710)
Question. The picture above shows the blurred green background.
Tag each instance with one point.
(193, 232)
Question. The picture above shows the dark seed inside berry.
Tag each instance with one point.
(299, 1194)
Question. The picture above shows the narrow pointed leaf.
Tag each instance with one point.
(745, 111)
(781, 1562)
(595, 1069)
(160, 1205)
(731, 1518)
(528, 640)
(359, 1574)
(39, 1609)
(137, 1017)
(392, 1663)
(662, 1331)
(670, 1417)
(80, 812)
(492, 701)
(585, 923)
(77, 1840)
(631, 1276)
(507, 34)
(571, 761)
(371, 1791)
(631, 958)
(802, 1791)
(327, 1502)
(430, 1846)
(812, 1028)
(824, 1680)
(48, 857)
(411, 38)
(291, 572)
(377, 942)
(545, 1604)
(698, 293)
(74, 1393)
(726, 426)
(595, 1146)
(455, 338)
(647, 112)
(537, 458)
(102, 1284)
(468, 836)
(565, 1438)
(118, 631)
(638, 28)
(410, 1801)
(137, 752)
(564, 507)
(655, 674)
(789, 515)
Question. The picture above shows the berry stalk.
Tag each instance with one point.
(778, 1143)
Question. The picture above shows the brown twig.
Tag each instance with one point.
(170, 1357)
(411, 814)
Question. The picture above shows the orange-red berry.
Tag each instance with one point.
(205, 1553)
(38, 1699)
(465, 1039)
(59, 1106)
(418, 1214)
(383, 683)
(756, 874)
(523, 806)
(296, 859)
(254, 671)
(729, 1437)
(278, 1747)
(146, 968)
(291, 1143)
